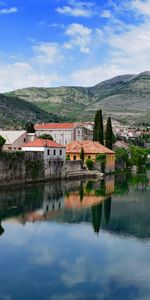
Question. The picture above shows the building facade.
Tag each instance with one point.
(65, 133)
(50, 149)
(91, 150)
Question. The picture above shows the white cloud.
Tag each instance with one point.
(142, 7)
(6, 11)
(48, 53)
(20, 75)
(80, 36)
(93, 75)
(106, 14)
(77, 9)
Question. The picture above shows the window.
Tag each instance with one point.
(74, 157)
(65, 142)
(89, 156)
(54, 152)
(48, 152)
(60, 152)
(24, 140)
(78, 131)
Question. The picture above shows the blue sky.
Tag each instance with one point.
(69, 42)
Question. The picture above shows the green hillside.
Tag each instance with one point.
(125, 98)
(16, 112)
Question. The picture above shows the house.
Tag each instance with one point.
(91, 150)
(14, 139)
(65, 133)
(50, 149)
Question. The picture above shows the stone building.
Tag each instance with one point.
(65, 133)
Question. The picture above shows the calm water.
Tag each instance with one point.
(76, 240)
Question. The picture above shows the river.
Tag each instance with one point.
(76, 240)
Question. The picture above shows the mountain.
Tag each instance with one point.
(15, 112)
(126, 98)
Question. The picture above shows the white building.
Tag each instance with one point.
(65, 133)
(51, 149)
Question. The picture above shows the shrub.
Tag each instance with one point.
(89, 163)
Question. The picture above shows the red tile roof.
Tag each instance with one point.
(89, 147)
(54, 126)
(43, 143)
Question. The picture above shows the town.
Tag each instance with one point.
(66, 150)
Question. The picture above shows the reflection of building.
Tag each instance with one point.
(74, 200)
(91, 150)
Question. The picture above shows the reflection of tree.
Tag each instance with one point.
(89, 186)
(96, 217)
(107, 209)
(1, 229)
(121, 185)
(81, 191)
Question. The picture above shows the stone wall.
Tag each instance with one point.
(73, 166)
(22, 167)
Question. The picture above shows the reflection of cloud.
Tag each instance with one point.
(74, 257)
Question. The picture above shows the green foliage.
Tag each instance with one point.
(46, 137)
(122, 155)
(33, 168)
(29, 127)
(101, 157)
(98, 134)
(138, 155)
(68, 157)
(82, 154)
(90, 163)
(2, 142)
(109, 134)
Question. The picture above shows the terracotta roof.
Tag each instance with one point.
(43, 143)
(55, 126)
(89, 147)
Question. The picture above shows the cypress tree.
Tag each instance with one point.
(95, 127)
(109, 134)
(100, 131)
(82, 154)
(98, 134)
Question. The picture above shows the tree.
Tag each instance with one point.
(101, 158)
(90, 163)
(2, 142)
(109, 134)
(100, 130)
(98, 133)
(30, 127)
(82, 154)
(138, 155)
(46, 136)
(122, 155)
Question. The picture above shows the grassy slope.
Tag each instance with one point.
(125, 98)
(15, 111)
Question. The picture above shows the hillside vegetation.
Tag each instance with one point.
(15, 112)
(126, 98)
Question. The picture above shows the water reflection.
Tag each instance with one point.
(119, 204)
(76, 240)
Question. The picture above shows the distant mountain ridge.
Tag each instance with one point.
(124, 97)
